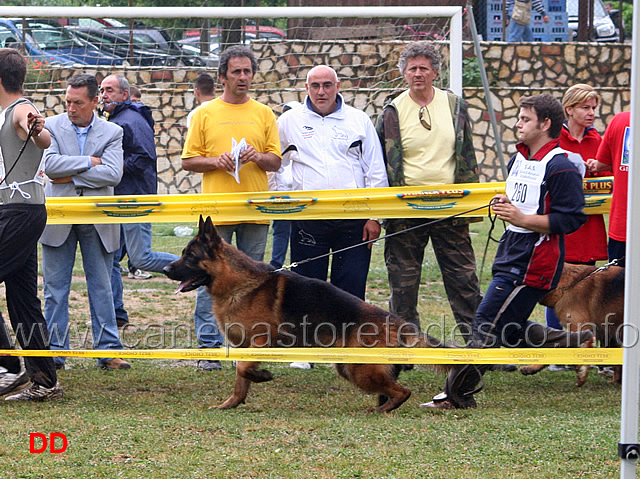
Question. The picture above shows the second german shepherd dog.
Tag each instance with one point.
(255, 306)
(592, 298)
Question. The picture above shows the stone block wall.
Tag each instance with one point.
(368, 76)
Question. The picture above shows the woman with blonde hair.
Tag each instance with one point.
(581, 140)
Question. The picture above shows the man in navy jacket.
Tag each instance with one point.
(544, 200)
(140, 178)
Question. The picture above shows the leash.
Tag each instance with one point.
(331, 253)
(24, 145)
(614, 262)
(492, 220)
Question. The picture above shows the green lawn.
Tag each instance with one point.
(154, 420)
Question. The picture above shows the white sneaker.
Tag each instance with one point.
(139, 274)
(10, 382)
(301, 365)
(36, 392)
(606, 371)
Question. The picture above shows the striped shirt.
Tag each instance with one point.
(537, 5)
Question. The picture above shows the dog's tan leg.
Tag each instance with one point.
(379, 379)
(617, 375)
(246, 373)
(532, 369)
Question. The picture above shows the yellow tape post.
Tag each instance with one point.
(397, 202)
(608, 356)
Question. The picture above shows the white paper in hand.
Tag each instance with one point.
(236, 149)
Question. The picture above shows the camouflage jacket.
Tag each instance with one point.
(388, 129)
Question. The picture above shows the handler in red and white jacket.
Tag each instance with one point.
(544, 201)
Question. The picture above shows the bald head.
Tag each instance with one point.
(319, 69)
(322, 87)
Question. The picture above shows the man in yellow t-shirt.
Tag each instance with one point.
(426, 138)
(215, 128)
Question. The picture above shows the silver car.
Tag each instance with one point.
(604, 29)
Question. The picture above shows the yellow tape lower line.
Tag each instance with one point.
(608, 356)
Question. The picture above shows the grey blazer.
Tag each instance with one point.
(63, 158)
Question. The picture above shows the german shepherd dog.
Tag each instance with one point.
(589, 299)
(256, 306)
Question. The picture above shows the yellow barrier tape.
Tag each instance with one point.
(397, 202)
(609, 356)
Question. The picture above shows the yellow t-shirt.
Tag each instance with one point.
(212, 129)
(428, 155)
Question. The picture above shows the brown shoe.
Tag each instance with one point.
(582, 371)
(115, 363)
(444, 404)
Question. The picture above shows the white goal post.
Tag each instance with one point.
(362, 44)
(454, 13)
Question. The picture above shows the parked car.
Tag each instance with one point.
(263, 31)
(212, 59)
(119, 45)
(193, 44)
(47, 41)
(157, 39)
(91, 22)
(604, 30)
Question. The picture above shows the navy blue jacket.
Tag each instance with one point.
(536, 259)
(140, 160)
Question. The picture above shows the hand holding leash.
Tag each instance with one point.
(35, 122)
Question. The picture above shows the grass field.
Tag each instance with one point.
(154, 420)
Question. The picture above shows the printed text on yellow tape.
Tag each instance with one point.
(608, 356)
(397, 202)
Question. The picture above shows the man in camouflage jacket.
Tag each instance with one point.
(421, 152)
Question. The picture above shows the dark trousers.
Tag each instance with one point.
(502, 320)
(617, 250)
(20, 228)
(349, 269)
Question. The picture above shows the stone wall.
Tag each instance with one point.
(368, 76)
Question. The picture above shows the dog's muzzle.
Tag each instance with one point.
(188, 282)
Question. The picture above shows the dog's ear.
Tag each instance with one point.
(208, 231)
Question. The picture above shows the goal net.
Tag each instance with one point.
(161, 50)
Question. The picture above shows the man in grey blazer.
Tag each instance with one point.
(84, 159)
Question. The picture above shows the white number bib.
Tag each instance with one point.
(524, 184)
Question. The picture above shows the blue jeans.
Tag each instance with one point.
(135, 239)
(519, 33)
(349, 269)
(57, 268)
(281, 233)
(251, 239)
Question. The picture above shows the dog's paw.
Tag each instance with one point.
(582, 373)
(531, 369)
(230, 403)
